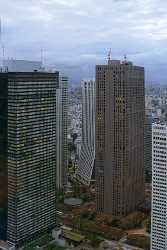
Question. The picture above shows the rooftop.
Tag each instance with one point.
(73, 201)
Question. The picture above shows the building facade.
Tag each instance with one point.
(3, 157)
(159, 187)
(61, 131)
(87, 155)
(148, 146)
(119, 146)
(28, 153)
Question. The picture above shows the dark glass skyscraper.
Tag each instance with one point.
(28, 152)
(120, 113)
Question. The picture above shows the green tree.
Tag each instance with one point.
(115, 222)
(94, 240)
(148, 227)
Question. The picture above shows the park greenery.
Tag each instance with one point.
(53, 247)
(84, 219)
(94, 240)
(148, 225)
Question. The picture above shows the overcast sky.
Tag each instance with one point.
(77, 34)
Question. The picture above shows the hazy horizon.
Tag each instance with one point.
(76, 35)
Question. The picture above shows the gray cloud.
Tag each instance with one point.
(77, 34)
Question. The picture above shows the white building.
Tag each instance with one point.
(87, 155)
(159, 187)
(61, 132)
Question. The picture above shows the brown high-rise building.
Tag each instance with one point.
(120, 113)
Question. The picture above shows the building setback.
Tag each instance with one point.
(61, 131)
(120, 114)
(159, 187)
(28, 152)
(87, 155)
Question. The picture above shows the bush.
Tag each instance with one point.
(94, 240)
(115, 234)
(132, 221)
(115, 222)
(53, 247)
(139, 241)
(148, 228)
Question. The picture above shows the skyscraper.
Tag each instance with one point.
(61, 130)
(119, 137)
(87, 156)
(28, 152)
(159, 187)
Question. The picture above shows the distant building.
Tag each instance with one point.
(13, 65)
(61, 130)
(28, 153)
(159, 187)
(120, 114)
(87, 155)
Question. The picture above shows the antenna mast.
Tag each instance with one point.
(109, 55)
(0, 30)
(125, 58)
(1, 42)
(42, 56)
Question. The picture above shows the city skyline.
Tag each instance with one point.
(85, 36)
(83, 124)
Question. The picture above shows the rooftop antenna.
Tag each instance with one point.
(0, 30)
(3, 51)
(42, 56)
(125, 58)
(1, 42)
(109, 55)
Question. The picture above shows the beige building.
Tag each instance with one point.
(61, 133)
(87, 157)
(119, 137)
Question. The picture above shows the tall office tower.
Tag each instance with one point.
(148, 145)
(28, 152)
(159, 187)
(120, 113)
(61, 130)
(87, 156)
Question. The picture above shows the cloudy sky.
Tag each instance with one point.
(77, 34)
